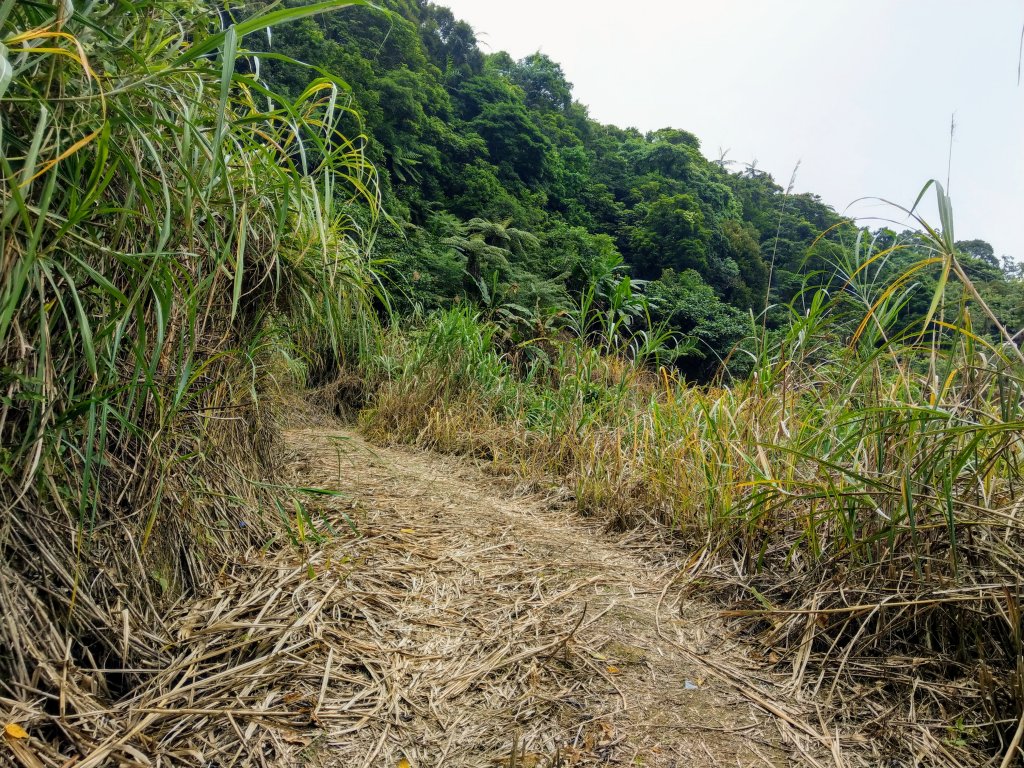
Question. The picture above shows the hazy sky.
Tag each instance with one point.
(861, 92)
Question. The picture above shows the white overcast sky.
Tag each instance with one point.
(861, 92)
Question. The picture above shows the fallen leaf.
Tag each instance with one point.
(613, 670)
(407, 530)
(15, 731)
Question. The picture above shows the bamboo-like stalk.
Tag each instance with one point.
(166, 264)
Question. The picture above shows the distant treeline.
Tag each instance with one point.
(504, 192)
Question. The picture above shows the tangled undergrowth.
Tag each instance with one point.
(177, 243)
(174, 241)
(855, 503)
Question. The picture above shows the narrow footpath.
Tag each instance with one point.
(485, 625)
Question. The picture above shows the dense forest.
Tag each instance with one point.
(501, 191)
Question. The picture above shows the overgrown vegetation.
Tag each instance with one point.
(177, 242)
(473, 145)
(849, 469)
(854, 501)
(829, 418)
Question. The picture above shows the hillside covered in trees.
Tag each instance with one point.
(503, 192)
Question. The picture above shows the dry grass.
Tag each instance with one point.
(456, 629)
(888, 655)
(521, 626)
(854, 505)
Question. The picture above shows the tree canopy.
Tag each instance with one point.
(467, 137)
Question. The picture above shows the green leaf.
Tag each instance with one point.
(265, 21)
(227, 69)
(6, 70)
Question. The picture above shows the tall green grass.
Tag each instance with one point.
(855, 501)
(176, 242)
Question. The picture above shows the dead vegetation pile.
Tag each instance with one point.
(425, 637)
(375, 645)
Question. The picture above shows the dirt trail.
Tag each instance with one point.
(486, 622)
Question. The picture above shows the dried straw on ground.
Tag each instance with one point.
(456, 629)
